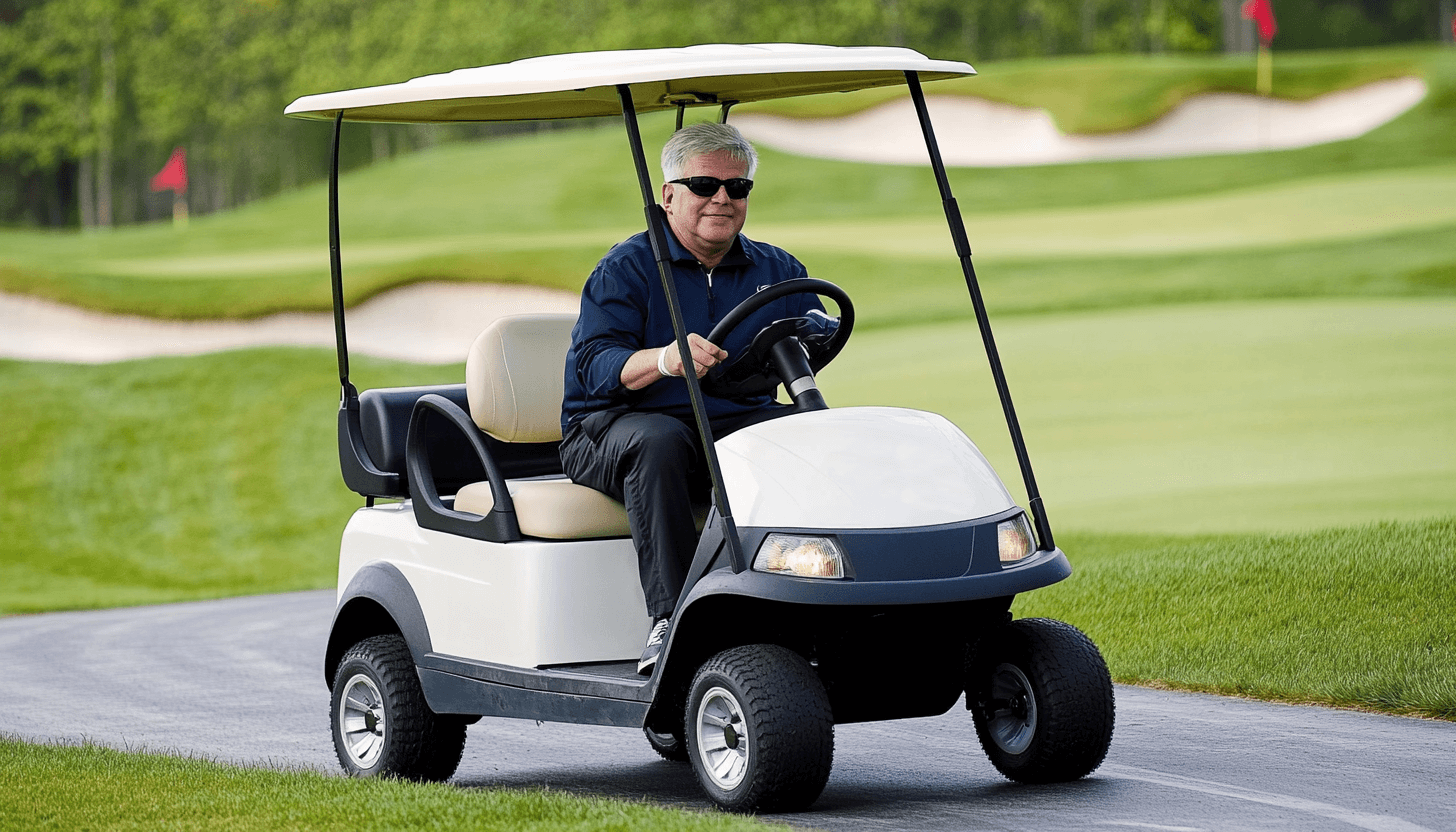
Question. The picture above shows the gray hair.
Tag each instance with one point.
(701, 139)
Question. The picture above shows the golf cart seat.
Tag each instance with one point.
(514, 383)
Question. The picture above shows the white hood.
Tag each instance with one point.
(858, 468)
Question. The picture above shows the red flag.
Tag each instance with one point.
(173, 176)
(1262, 13)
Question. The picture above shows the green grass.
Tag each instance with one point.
(174, 478)
(1250, 416)
(517, 210)
(50, 787)
(1354, 617)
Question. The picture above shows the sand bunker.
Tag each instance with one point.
(977, 133)
(432, 323)
(436, 323)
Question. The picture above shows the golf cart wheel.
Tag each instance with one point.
(670, 746)
(759, 730)
(382, 726)
(1042, 701)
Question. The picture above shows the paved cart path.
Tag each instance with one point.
(240, 680)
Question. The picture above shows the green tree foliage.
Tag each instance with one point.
(94, 94)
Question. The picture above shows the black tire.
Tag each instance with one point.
(1042, 701)
(670, 746)
(382, 726)
(759, 730)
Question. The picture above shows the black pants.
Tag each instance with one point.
(654, 464)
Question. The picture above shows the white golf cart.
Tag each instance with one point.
(856, 563)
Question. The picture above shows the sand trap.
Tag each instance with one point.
(429, 322)
(977, 133)
(436, 323)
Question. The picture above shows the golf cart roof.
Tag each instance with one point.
(584, 84)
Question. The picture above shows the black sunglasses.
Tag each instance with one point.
(708, 185)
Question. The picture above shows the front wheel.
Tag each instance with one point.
(382, 725)
(1041, 698)
(760, 730)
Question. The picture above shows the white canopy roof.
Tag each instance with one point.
(584, 84)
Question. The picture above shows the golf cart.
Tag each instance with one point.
(856, 564)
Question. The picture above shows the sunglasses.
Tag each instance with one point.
(706, 186)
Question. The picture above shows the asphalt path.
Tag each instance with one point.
(240, 680)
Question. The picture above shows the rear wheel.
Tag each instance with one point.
(671, 746)
(1042, 701)
(381, 724)
(759, 730)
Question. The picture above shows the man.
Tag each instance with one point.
(626, 419)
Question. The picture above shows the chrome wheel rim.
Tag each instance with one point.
(722, 738)
(361, 721)
(1011, 720)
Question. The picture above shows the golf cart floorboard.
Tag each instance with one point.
(600, 694)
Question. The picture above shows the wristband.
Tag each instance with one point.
(662, 362)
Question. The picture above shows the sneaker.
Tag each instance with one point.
(655, 642)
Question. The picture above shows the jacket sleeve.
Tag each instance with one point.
(613, 320)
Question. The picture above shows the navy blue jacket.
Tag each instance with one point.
(624, 309)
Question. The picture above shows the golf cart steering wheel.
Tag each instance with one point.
(772, 356)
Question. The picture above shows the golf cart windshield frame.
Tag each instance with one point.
(655, 80)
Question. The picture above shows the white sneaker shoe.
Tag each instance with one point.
(656, 640)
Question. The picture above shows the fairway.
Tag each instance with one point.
(1231, 417)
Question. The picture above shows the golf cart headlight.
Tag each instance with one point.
(1014, 539)
(807, 557)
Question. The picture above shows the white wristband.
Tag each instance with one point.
(662, 361)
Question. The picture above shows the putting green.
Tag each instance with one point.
(1228, 417)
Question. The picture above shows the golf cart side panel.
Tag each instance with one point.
(501, 602)
(374, 599)
(872, 468)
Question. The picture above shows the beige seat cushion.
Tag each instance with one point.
(554, 509)
(559, 509)
(515, 376)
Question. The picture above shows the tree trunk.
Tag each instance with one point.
(1447, 23)
(106, 125)
(1089, 25)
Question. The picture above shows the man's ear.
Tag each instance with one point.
(668, 192)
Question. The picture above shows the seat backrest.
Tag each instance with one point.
(514, 376)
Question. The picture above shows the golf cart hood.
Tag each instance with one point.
(858, 468)
(585, 85)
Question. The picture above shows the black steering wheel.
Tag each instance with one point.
(755, 371)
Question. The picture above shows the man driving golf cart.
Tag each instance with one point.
(626, 421)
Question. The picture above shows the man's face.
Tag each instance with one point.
(706, 225)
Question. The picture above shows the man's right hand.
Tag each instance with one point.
(706, 355)
(645, 366)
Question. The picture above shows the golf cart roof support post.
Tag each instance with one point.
(336, 267)
(723, 115)
(658, 236)
(963, 251)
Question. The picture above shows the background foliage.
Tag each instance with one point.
(94, 94)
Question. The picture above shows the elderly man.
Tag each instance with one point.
(626, 419)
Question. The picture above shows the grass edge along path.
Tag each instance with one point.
(1352, 617)
(64, 787)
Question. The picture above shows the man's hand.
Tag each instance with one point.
(646, 366)
(706, 355)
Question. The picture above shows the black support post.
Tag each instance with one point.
(657, 233)
(336, 267)
(963, 251)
